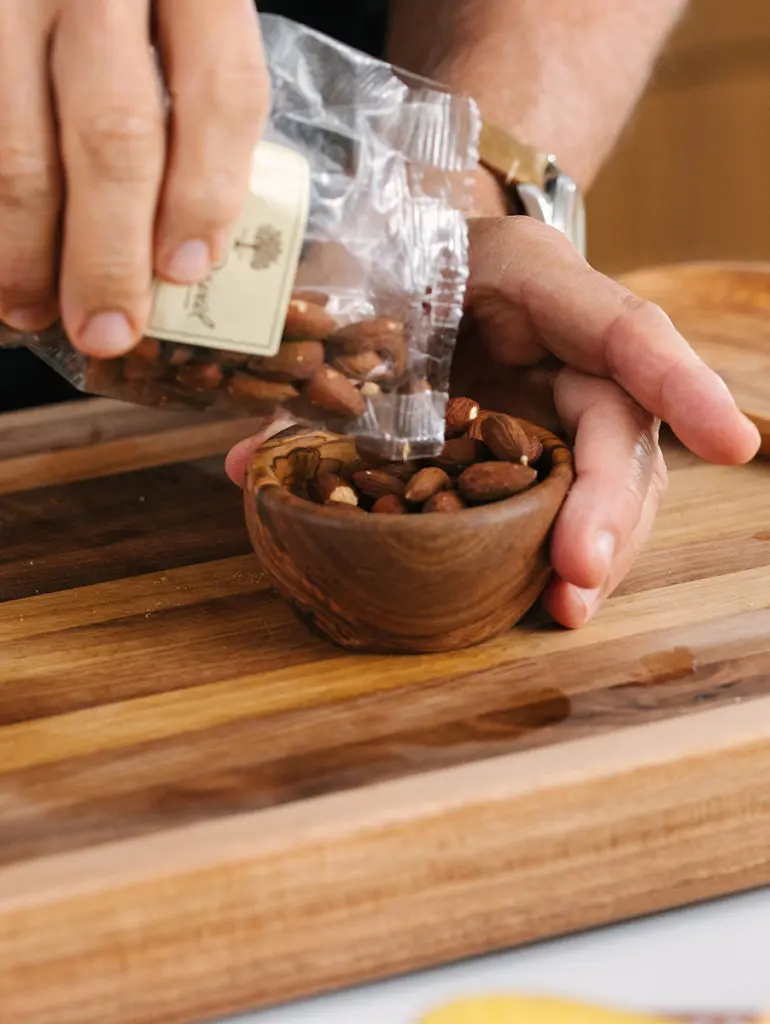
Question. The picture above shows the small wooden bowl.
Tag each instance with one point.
(400, 584)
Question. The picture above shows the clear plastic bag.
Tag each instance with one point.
(377, 298)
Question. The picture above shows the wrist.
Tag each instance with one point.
(488, 197)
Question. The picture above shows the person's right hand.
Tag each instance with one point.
(98, 192)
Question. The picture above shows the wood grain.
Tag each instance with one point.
(204, 808)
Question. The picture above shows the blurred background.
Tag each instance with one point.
(690, 179)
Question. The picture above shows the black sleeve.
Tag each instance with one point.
(26, 381)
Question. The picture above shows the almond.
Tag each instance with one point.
(179, 355)
(374, 483)
(302, 464)
(535, 450)
(493, 481)
(477, 425)
(307, 295)
(403, 470)
(377, 335)
(460, 452)
(330, 487)
(331, 391)
(367, 458)
(426, 483)
(389, 504)
(135, 368)
(102, 375)
(148, 349)
(360, 365)
(244, 386)
(505, 437)
(343, 506)
(230, 358)
(200, 376)
(295, 360)
(306, 321)
(460, 413)
(444, 501)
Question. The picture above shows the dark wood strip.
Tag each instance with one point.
(55, 428)
(266, 760)
(77, 534)
(152, 653)
(123, 455)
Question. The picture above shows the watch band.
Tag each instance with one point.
(534, 183)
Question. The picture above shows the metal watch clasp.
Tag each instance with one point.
(558, 203)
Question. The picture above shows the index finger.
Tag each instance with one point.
(594, 324)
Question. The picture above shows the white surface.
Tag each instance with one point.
(715, 956)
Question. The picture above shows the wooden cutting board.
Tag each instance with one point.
(203, 808)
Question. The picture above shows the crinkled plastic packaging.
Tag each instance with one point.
(351, 324)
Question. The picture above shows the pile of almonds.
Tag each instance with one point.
(321, 368)
(487, 457)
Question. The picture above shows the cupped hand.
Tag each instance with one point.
(99, 189)
(549, 339)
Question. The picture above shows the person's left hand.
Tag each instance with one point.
(549, 339)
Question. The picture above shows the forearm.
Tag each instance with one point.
(563, 75)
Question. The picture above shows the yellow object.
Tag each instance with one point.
(532, 1010)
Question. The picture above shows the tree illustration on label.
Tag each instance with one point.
(264, 249)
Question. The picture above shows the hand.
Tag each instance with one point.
(547, 338)
(550, 339)
(95, 197)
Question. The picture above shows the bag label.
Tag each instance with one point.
(241, 306)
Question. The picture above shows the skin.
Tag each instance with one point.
(82, 116)
(98, 192)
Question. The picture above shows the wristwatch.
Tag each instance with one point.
(534, 183)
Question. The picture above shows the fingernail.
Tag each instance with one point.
(604, 545)
(107, 335)
(190, 263)
(31, 318)
(590, 600)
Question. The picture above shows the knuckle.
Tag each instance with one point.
(122, 144)
(28, 181)
(533, 234)
(211, 201)
(638, 317)
(124, 281)
(244, 85)
(236, 92)
(631, 328)
(24, 289)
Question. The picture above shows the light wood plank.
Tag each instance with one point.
(480, 857)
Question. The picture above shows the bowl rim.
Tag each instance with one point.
(549, 492)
